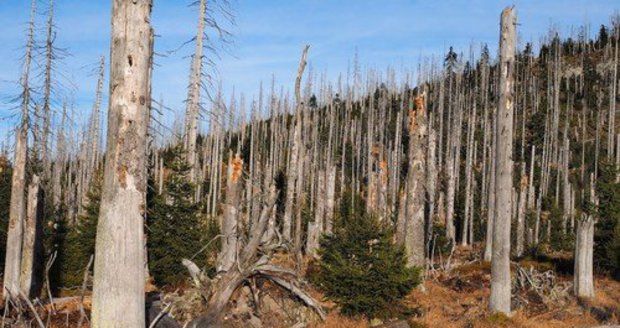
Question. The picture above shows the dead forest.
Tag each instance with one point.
(477, 189)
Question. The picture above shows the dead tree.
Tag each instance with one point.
(253, 261)
(193, 93)
(12, 264)
(47, 88)
(295, 145)
(118, 299)
(31, 270)
(500, 261)
(521, 212)
(230, 221)
(584, 251)
(416, 179)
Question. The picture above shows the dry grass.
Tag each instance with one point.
(335, 320)
(455, 299)
(460, 299)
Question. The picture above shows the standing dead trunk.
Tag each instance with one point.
(584, 249)
(488, 245)
(31, 270)
(500, 261)
(17, 208)
(17, 213)
(47, 88)
(521, 212)
(330, 195)
(316, 228)
(118, 292)
(294, 151)
(193, 94)
(416, 179)
(228, 255)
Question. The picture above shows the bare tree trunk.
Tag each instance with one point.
(31, 270)
(330, 199)
(521, 212)
(17, 213)
(228, 255)
(193, 94)
(47, 88)
(416, 176)
(488, 247)
(500, 269)
(469, 162)
(12, 264)
(584, 252)
(294, 151)
(118, 299)
(584, 247)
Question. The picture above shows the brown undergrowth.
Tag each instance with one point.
(459, 298)
(448, 298)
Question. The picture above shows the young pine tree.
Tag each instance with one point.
(607, 229)
(78, 245)
(5, 198)
(362, 270)
(174, 230)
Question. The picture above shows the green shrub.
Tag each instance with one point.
(362, 271)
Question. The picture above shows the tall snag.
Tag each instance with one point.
(500, 260)
(193, 94)
(292, 172)
(416, 179)
(17, 209)
(118, 291)
(32, 256)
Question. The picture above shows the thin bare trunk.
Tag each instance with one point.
(500, 268)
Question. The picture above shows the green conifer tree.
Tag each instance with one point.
(174, 230)
(78, 244)
(607, 229)
(5, 200)
(362, 271)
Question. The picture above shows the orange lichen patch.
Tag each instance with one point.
(383, 165)
(412, 120)
(419, 103)
(237, 168)
(122, 175)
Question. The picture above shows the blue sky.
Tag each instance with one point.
(269, 35)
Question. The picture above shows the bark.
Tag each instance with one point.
(584, 251)
(32, 252)
(47, 88)
(330, 199)
(193, 94)
(12, 264)
(469, 162)
(118, 292)
(416, 176)
(521, 212)
(294, 151)
(431, 181)
(228, 255)
(500, 267)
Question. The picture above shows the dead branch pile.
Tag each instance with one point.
(545, 285)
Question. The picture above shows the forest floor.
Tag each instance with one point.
(457, 297)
